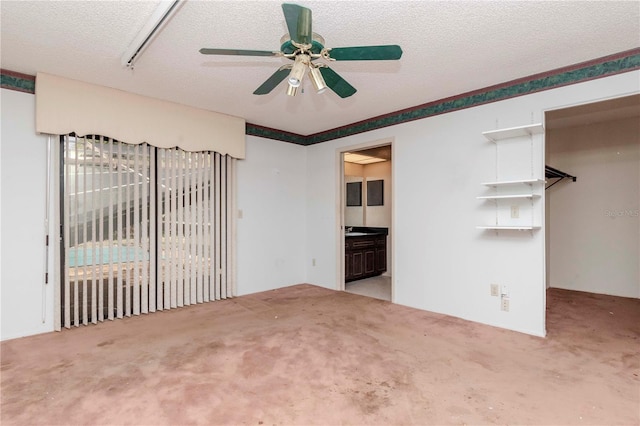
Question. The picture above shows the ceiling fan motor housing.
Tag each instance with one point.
(288, 48)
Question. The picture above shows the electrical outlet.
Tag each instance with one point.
(240, 214)
(504, 304)
(494, 289)
(515, 212)
(313, 262)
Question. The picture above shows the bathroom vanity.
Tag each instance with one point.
(365, 252)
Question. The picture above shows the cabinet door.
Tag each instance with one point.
(369, 262)
(381, 260)
(357, 264)
(348, 274)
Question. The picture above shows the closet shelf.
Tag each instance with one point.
(501, 197)
(513, 182)
(514, 132)
(508, 228)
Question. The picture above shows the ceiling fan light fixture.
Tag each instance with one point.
(297, 72)
(292, 90)
(318, 81)
(294, 80)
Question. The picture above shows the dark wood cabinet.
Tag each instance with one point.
(365, 256)
(381, 260)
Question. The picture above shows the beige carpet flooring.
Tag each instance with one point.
(306, 355)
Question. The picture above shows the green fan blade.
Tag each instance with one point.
(238, 52)
(366, 53)
(273, 81)
(298, 22)
(336, 83)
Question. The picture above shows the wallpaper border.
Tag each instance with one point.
(597, 68)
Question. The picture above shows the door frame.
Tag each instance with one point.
(341, 201)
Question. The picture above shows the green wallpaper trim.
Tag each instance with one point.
(508, 90)
(16, 81)
(279, 135)
(597, 68)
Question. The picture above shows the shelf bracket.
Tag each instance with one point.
(551, 173)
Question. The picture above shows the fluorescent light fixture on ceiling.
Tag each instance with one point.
(166, 9)
(351, 157)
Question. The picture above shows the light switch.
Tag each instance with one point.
(504, 291)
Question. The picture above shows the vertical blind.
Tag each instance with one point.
(144, 229)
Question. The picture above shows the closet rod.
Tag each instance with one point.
(551, 173)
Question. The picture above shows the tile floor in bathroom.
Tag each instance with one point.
(377, 287)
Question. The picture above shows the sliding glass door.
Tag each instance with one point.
(143, 228)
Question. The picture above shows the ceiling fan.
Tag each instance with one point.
(303, 47)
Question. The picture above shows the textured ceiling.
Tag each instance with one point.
(449, 48)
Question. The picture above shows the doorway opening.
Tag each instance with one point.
(592, 226)
(366, 210)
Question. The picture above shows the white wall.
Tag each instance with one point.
(272, 230)
(290, 203)
(441, 262)
(594, 225)
(23, 194)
